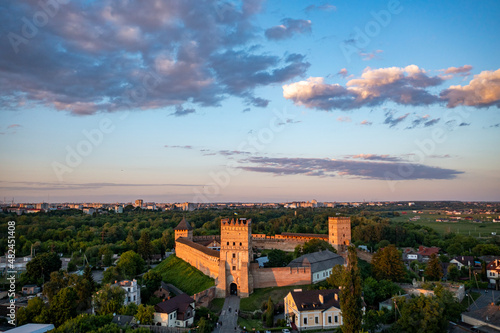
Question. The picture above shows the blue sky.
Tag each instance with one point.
(198, 101)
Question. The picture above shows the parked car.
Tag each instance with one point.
(286, 330)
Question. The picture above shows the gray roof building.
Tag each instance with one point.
(321, 263)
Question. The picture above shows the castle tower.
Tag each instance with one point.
(184, 229)
(235, 257)
(339, 232)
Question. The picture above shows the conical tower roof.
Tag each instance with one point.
(183, 225)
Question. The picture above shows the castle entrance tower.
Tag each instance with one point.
(235, 257)
(339, 232)
(184, 229)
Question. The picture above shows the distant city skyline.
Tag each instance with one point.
(249, 101)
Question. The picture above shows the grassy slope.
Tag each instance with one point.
(184, 276)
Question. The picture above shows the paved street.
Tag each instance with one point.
(229, 318)
(491, 296)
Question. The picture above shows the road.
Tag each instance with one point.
(229, 318)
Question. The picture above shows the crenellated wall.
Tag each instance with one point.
(197, 255)
(285, 242)
(279, 276)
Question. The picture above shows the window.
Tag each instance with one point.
(316, 320)
(134, 298)
(240, 244)
(234, 243)
(305, 320)
(329, 319)
(234, 268)
(227, 243)
(234, 255)
(336, 319)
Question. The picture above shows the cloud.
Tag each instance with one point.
(404, 86)
(423, 120)
(495, 125)
(343, 72)
(111, 55)
(361, 169)
(366, 122)
(369, 56)
(181, 147)
(391, 121)
(431, 122)
(246, 110)
(288, 28)
(410, 85)
(375, 157)
(464, 124)
(459, 70)
(181, 112)
(289, 121)
(440, 156)
(29, 186)
(325, 8)
(345, 119)
(14, 126)
(482, 91)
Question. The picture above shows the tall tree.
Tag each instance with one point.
(87, 275)
(109, 300)
(144, 247)
(42, 265)
(314, 245)
(434, 270)
(31, 312)
(335, 279)
(351, 303)
(422, 314)
(278, 258)
(387, 264)
(270, 313)
(63, 306)
(145, 314)
(130, 264)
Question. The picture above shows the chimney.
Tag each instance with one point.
(321, 298)
(336, 296)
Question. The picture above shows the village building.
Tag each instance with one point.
(493, 273)
(313, 309)
(178, 311)
(321, 264)
(132, 291)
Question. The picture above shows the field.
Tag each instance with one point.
(184, 276)
(476, 229)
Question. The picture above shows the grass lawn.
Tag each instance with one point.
(482, 230)
(259, 296)
(251, 324)
(216, 305)
(184, 276)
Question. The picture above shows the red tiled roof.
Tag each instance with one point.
(428, 251)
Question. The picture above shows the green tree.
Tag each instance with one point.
(350, 294)
(42, 265)
(152, 280)
(377, 291)
(63, 306)
(31, 313)
(87, 275)
(387, 264)
(452, 308)
(130, 309)
(109, 299)
(144, 247)
(270, 313)
(334, 281)
(453, 272)
(57, 282)
(434, 270)
(130, 264)
(111, 275)
(145, 314)
(421, 314)
(278, 258)
(204, 326)
(314, 245)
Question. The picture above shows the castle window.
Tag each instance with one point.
(234, 255)
(227, 243)
(234, 243)
(240, 244)
(234, 268)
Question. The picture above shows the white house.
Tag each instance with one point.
(176, 312)
(493, 272)
(313, 309)
(321, 264)
(132, 291)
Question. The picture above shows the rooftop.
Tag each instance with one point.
(183, 225)
(178, 303)
(198, 247)
(318, 261)
(316, 299)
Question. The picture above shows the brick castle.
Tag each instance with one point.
(232, 266)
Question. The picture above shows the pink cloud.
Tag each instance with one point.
(482, 91)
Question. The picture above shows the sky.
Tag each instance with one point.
(251, 101)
